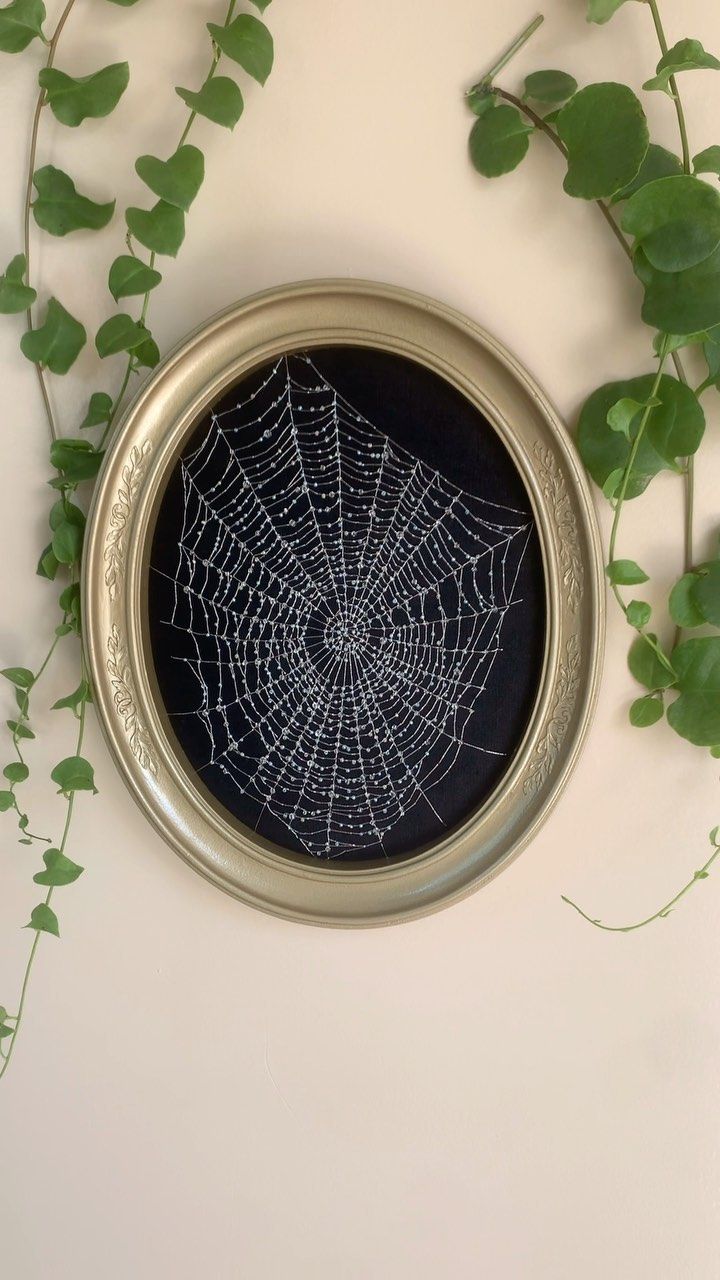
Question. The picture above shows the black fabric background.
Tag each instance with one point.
(422, 413)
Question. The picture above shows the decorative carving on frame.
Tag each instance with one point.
(114, 555)
(551, 739)
(124, 698)
(555, 491)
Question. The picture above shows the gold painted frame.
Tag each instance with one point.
(300, 317)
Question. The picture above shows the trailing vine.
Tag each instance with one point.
(53, 345)
(666, 218)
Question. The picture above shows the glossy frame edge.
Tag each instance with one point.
(166, 409)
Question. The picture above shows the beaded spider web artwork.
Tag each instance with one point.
(337, 607)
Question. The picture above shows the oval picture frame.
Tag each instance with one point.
(186, 385)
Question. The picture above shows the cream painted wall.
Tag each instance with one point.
(498, 1091)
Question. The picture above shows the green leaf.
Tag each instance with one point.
(705, 593)
(99, 409)
(248, 42)
(606, 135)
(76, 459)
(602, 10)
(7, 801)
(675, 220)
(612, 484)
(19, 730)
(707, 161)
(645, 712)
(686, 55)
(646, 666)
(658, 163)
(119, 333)
(481, 99)
(681, 301)
(58, 342)
(44, 920)
(15, 295)
(499, 141)
(125, 3)
(16, 772)
(683, 609)
(21, 677)
(695, 715)
(676, 341)
(261, 4)
(625, 573)
(67, 543)
(177, 180)
(622, 415)
(20, 23)
(60, 209)
(219, 100)
(88, 97)
(549, 86)
(65, 512)
(638, 613)
(147, 355)
(130, 278)
(161, 229)
(674, 430)
(59, 870)
(47, 566)
(74, 700)
(74, 774)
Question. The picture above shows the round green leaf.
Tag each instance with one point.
(7, 801)
(606, 136)
(625, 573)
(247, 41)
(21, 677)
(602, 10)
(638, 613)
(645, 712)
(161, 229)
(674, 430)
(16, 772)
(681, 301)
(67, 543)
(499, 141)
(77, 460)
(695, 714)
(177, 180)
(57, 343)
(683, 609)
(219, 100)
(60, 209)
(550, 86)
(658, 163)
(73, 100)
(675, 220)
(705, 593)
(646, 666)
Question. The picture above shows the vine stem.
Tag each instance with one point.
(658, 915)
(131, 366)
(52, 50)
(33, 950)
(687, 166)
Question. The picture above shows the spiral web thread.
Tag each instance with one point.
(345, 604)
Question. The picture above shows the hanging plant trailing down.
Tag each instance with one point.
(666, 219)
(54, 344)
